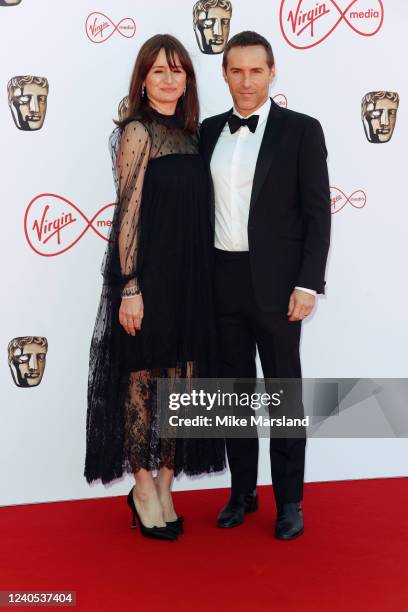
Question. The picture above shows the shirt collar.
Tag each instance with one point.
(263, 111)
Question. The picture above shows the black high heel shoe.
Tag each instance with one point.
(176, 526)
(158, 533)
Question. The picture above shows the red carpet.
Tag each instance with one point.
(352, 556)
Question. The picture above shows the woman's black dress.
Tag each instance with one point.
(160, 234)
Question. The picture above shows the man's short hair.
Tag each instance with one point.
(248, 39)
(206, 5)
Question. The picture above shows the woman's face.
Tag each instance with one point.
(163, 84)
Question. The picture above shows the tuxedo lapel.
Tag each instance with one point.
(212, 140)
(268, 151)
(216, 133)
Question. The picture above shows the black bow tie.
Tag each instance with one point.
(236, 122)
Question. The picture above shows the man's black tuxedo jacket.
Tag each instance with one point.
(289, 216)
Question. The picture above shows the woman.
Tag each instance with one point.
(155, 318)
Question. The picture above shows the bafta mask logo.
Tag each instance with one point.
(123, 108)
(9, 2)
(211, 20)
(27, 96)
(379, 114)
(26, 358)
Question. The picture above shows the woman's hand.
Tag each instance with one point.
(131, 314)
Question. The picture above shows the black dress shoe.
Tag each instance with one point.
(289, 522)
(234, 512)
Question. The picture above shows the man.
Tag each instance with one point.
(27, 97)
(211, 20)
(379, 114)
(271, 218)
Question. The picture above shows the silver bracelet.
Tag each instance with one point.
(129, 292)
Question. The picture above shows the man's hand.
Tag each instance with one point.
(301, 305)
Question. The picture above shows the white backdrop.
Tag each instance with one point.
(358, 329)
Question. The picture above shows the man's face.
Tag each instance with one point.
(212, 30)
(248, 76)
(28, 106)
(29, 364)
(379, 120)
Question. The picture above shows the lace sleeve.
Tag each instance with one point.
(131, 162)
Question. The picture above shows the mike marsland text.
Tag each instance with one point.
(234, 421)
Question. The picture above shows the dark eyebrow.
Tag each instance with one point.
(255, 68)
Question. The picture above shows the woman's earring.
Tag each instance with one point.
(143, 91)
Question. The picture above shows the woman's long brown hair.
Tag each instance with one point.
(138, 106)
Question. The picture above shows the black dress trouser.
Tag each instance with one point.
(241, 327)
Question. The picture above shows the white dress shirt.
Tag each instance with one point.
(232, 168)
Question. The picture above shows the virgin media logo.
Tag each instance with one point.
(281, 100)
(307, 23)
(99, 28)
(339, 199)
(53, 224)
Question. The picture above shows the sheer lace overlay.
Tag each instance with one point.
(143, 446)
(122, 432)
(131, 167)
(131, 148)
